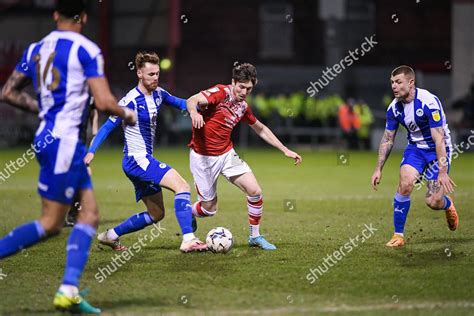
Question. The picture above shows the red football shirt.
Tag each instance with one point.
(221, 115)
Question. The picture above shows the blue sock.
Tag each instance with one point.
(77, 250)
(183, 210)
(21, 238)
(447, 202)
(134, 223)
(401, 206)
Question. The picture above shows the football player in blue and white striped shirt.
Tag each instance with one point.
(147, 174)
(428, 152)
(63, 67)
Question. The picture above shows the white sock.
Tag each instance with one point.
(111, 234)
(254, 230)
(69, 290)
(188, 237)
(399, 234)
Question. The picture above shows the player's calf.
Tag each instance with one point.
(51, 226)
(204, 209)
(255, 210)
(435, 203)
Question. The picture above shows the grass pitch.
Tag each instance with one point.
(309, 212)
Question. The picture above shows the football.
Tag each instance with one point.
(219, 240)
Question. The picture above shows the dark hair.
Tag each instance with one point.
(245, 72)
(145, 57)
(70, 8)
(403, 69)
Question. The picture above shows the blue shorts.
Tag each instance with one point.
(145, 173)
(62, 169)
(424, 161)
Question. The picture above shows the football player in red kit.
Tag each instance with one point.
(214, 113)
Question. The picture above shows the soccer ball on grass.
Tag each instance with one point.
(219, 240)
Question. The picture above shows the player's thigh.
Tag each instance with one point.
(155, 206)
(52, 215)
(172, 180)
(89, 213)
(206, 171)
(408, 178)
(248, 183)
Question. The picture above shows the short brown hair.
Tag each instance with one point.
(245, 72)
(145, 57)
(404, 69)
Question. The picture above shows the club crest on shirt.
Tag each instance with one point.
(419, 112)
(158, 100)
(436, 116)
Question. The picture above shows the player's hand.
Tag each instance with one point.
(197, 120)
(446, 182)
(291, 154)
(129, 118)
(376, 178)
(88, 158)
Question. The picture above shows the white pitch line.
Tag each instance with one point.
(322, 309)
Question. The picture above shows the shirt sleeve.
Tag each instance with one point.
(93, 64)
(23, 65)
(109, 125)
(214, 95)
(249, 117)
(434, 113)
(392, 123)
(176, 102)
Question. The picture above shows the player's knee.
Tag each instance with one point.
(405, 187)
(156, 215)
(257, 191)
(89, 217)
(183, 187)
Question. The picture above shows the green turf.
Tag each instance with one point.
(329, 203)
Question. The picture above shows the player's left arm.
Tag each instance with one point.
(176, 102)
(437, 133)
(267, 135)
(13, 93)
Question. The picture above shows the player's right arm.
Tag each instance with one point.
(102, 134)
(13, 93)
(193, 104)
(386, 145)
(105, 130)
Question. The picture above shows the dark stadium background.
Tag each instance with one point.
(290, 42)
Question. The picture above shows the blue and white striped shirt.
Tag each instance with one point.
(140, 137)
(59, 66)
(418, 116)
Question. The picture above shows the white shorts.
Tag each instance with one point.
(206, 170)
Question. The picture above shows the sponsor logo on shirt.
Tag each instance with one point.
(412, 126)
